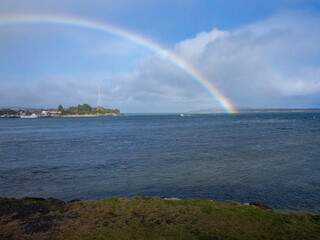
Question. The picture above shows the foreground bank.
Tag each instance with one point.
(149, 218)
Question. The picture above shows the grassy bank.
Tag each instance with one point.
(149, 218)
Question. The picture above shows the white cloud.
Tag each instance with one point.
(260, 64)
(305, 82)
(192, 48)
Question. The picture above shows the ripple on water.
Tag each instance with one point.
(273, 158)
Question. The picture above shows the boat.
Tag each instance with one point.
(9, 116)
(181, 115)
(33, 115)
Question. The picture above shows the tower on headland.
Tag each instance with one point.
(99, 105)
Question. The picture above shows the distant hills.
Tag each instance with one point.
(252, 110)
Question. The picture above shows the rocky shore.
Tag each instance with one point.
(150, 218)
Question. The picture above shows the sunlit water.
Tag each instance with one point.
(272, 158)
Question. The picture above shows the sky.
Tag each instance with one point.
(258, 54)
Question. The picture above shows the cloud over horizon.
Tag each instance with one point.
(263, 63)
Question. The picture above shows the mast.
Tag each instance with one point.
(99, 98)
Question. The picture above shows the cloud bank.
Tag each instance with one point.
(273, 63)
(262, 64)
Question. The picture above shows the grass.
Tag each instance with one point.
(149, 218)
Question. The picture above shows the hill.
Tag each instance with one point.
(252, 110)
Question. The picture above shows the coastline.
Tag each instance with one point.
(143, 217)
(93, 115)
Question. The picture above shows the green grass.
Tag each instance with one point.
(150, 218)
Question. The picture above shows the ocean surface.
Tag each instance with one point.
(268, 157)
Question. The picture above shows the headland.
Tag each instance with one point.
(84, 110)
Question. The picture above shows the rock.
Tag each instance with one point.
(54, 199)
(74, 200)
(57, 202)
(32, 198)
(174, 199)
(260, 205)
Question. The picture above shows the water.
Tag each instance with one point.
(272, 158)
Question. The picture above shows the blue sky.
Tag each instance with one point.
(257, 53)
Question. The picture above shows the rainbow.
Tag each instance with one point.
(116, 31)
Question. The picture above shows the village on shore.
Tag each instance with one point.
(84, 110)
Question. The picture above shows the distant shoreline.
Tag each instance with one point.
(84, 110)
(93, 115)
(259, 110)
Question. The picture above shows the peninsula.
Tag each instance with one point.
(86, 110)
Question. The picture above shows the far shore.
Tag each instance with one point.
(93, 115)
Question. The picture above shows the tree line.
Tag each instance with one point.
(85, 109)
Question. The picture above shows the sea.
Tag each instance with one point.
(266, 157)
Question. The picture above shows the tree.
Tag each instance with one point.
(79, 109)
(86, 108)
(60, 109)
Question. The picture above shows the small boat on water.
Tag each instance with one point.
(9, 116)
(33, 115)
(181, 115)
